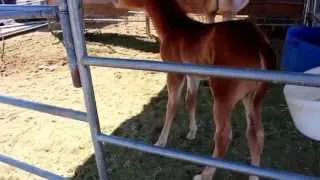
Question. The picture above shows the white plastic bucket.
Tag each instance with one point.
(304, 107)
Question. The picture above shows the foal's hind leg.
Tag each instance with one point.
(226, 94)
(223, 135)
(174, 85)
(191, 100)
(255, 132)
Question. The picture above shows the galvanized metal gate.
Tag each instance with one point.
(70, 15)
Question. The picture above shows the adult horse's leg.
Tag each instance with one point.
(175, 84)
(227, 16)
(210, 18)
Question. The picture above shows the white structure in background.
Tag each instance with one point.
(9, 27)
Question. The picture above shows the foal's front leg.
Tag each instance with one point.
(175, 84)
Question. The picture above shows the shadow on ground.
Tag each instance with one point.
(151, 44)
(141, 43)
(285, 147)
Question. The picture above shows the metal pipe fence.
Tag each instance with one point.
(316, 13)
(24, 24)
(201, 160)
(27, 11)
(220, 71)
(36, 11)
(77, 27)
(71, 19)
(69, 43)
(29, 168)
(49, 109)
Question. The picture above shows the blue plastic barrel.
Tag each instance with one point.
(301, 50)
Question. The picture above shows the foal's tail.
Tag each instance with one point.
(268, 59)
(268, 54)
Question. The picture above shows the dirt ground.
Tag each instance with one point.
(130, 104)
(36, 69)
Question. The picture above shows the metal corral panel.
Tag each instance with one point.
(274, 8)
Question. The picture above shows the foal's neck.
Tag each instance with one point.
(168, 17)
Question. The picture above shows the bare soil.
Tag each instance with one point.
(35, 67)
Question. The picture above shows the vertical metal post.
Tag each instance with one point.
(315, 13)
(76, 19)
(148, 26)
(314, 10)
(307, 19)
(68, 42)
(305, 8)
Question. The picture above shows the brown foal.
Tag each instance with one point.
(230, 43)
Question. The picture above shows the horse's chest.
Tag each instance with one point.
(170, 51)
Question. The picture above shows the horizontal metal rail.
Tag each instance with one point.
(136, 12)
(227, 72)
(27, 12)
(278, 2)
(202, 160)
(23, 24)
(33, 2)
(29, 168)
(276, 24)
(53, 110)
(23, 30)
(112, 20)
(10, 7)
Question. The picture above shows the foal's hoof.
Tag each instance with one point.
(191, 135)
(160, 144)
(253, 178)
(207, 174)
(197, 177)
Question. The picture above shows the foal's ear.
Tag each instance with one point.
(238, 5)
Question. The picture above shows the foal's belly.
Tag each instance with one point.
(198, 77)
(194, 80)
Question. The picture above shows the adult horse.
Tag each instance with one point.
(226, 8)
